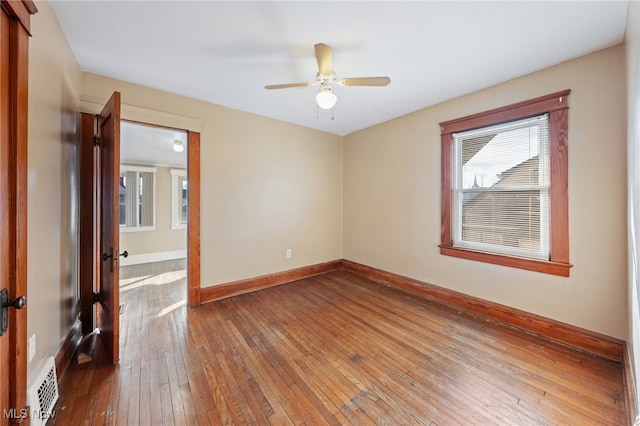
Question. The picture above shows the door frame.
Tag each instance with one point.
(14, 205)
(88, 226)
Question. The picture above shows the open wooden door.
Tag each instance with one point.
(108, 292)
(5, 242)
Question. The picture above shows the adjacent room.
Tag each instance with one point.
(420, 212)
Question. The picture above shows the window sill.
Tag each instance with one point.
(137, 229)
(544, 266)
(178, 227)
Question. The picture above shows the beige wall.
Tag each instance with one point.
(54, 91)
(163, 238)
(267, 186)
(392, 198)
(632, 44)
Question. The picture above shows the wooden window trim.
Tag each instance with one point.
(556, 105)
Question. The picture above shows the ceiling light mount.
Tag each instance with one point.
(178, 146)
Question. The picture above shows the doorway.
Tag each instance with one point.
(153, 220)
(100, 233)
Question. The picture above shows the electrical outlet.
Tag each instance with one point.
(288, 254)
(32, 347)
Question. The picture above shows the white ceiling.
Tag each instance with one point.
(149, 145)
(226, 52)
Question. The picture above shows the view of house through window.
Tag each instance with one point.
(501, 188)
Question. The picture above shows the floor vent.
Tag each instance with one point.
(43, 394)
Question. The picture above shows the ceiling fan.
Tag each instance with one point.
(326, 77)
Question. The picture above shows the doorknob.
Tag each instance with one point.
(7, 303)
(114, 259)
(106, 256)
(116, 263)
(18, 303)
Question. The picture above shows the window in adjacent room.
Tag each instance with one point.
(137, 198)
(504, 186)
(178, 199)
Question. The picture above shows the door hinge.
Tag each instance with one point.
(96, 140)
(97, 298)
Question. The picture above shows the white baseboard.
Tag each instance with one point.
(136, 259)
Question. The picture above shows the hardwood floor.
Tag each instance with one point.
(333, 349)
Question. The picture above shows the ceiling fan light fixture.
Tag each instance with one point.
(325, 98)
(178, 146)
(325, 77)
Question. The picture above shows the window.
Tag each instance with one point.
(504, 186)
(178, 199)
(501, 188)
(137, 198)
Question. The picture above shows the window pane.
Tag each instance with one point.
(182, 184)
(123, 199)
(145, 199)
(139, 198)
(509, 219)
(130, 199)
(136, 198)
(501, 188)
(504, 155)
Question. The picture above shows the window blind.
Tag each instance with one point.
(182, 186)
(130, 203)
(137, 193)
(501, 188)
(146, 204)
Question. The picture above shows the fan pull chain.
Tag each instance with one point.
(333, 113)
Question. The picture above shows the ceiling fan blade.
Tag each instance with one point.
(324, 55)
(365, 81)
(286, 86)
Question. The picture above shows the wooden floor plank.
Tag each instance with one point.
(332, 349)
(154, 388)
